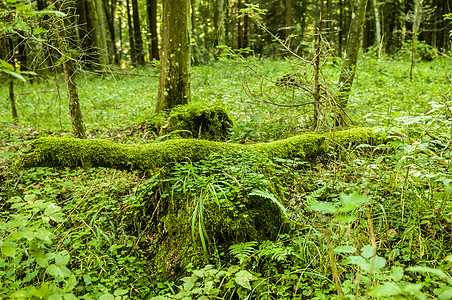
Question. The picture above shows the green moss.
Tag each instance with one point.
(71, 152)
(192, 121)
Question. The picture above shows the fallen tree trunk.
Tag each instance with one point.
(71, 152)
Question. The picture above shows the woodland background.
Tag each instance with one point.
(362, 220)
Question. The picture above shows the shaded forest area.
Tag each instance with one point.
(227, 149)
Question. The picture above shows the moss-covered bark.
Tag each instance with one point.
(192, 121)
(70, 152)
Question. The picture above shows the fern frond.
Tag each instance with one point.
(267, 195)
(243, 251)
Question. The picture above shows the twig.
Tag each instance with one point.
(288, 105)
(40, 92)
(124, 73)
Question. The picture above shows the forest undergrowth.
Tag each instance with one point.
(360, 222)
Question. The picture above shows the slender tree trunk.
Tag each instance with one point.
(196, 55)
(377, 25)
(351, 55)
(137, 33)
(341, 28)
(102, 29)
(317, 71)
(239, 26)
(12, 99)
(110, 9)
(174, 82)
(133, 56)
(417, 15)
(9, 58)
(78, 127)
(151, 6)
(220, 38)
(288, 17)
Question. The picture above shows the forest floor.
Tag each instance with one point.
(364, 221)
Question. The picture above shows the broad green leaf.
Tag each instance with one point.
(42, 262)
(62, 258)
(107, 297)
(51, 209)
(396, 273)
(8, 67)
(120, 292)
(356, 260)
(386, 289)
(58, 272)
(70, 297)
(243, 278)
(379, 262)
(367, 251)
(446, 295)
(345, 249)
(324, 207)
(350, 202)
(9, 249)
(233, 269)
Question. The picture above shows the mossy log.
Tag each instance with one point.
(71, 152)
(240, 217)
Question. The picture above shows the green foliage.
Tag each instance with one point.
(30, 267)
(114, 221)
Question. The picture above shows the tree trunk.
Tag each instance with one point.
(317, 71)
(288, 17)
(239, 26)
(102, 33)
(12, 99)
(133, 56)
(220, 31)
(110, 9)
(196, 55)
(351, 55)
(174, 82)
(69, 152)
(377, 25)
(417, 15)
(341, 28)
(65, 41)
(151, 6)
(137, 33)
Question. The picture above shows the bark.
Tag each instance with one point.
(196, 55)
(351, 55)
(288, 17)
(317, 71)
(341, 28)
(151, 6)
(377, 25)
(65, 41)
(12, 100)
(133, 56)
(78, 127)
(137, 34)
(417, 14)
(110, 8)
(220, 32)
(70, 152)
(174, 82)
(102, 33)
